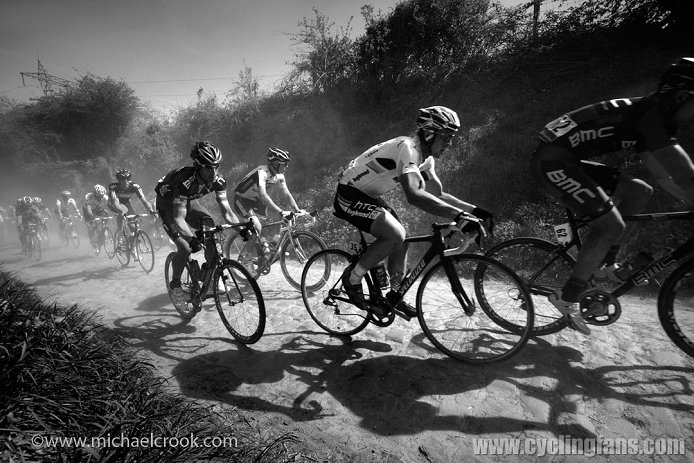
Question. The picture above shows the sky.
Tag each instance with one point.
(164, 49)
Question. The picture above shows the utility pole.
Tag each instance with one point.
(47, 82)
(536, 18)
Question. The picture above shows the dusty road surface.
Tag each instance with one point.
(387, 395)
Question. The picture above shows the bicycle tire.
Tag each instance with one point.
(543, 270)
(189, 310)
(295, 252)
(145, 251)
(109, 243)
(122, 250)
(241, 307)
(43, 234)
(675, 307)
(65, 235)
(36, 248)
(474, 338)
(326, 301)
(73, 236)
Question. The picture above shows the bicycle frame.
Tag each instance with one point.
(285, 234)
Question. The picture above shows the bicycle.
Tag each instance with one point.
(102, 236)
(43, 232)
(32, 243)
(292, 249)
(133, 241)
(236, 294)
(447, 301)
(68, 233)
(156, 233)
(544, 266)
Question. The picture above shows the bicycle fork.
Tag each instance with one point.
(457, 288)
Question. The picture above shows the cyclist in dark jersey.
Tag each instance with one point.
(602, 194)
(180, 211)
(119, 194)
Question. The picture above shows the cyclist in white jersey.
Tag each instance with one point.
(409, 162)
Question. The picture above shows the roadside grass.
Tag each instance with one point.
(64, 375)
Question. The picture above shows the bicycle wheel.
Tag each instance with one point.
(676, 307)
(73, 236)
(295, 252)
(65, 235)
(244, 252)
(239, 302)
(144, 251)
(186, 309)
(543, 270)
(474, 338)
(36, 248)
(109, 244)
(158, 238)
(43, 234)
(324, 297)
(122, 250)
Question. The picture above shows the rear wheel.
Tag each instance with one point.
(457, 326)
(145, 251)
(295, 252)
(184, 306)
(676, 307)
(324, 296)
(239, 302)
(544, 269)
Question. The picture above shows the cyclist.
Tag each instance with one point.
(64, 206)
(643, 125)
(119, 196)
(26, 214)
(251, 194)
(95, 203)
(43, 211)
(179, 208)
(408, 161)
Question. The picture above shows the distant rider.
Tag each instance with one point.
(119, 197)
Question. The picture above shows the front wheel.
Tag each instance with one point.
(122, 250)
(36, 247)
(244, 252)
(183, 305)
(544, 267)
(295, 252)
(65, 235)
(676, 307)
(144, 251)
(239, 302)
(73, 236)
(324, 296)
(449, 303)
(109, 244)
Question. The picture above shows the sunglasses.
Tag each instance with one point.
(208, 166)
(446, 137)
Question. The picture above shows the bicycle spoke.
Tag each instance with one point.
(239, 302)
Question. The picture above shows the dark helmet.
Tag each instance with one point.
(277, 155)
(65, 194)
(206, 154)
(123, 174)
(680, 76)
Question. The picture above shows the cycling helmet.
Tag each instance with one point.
(123, 174)
(27, 200)
(680, 76)
(277, 155)
(37, 200)
(99, 190)
(206, 154)
(435, 118)
(65, 194)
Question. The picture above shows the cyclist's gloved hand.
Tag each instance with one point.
(195, 244)
(287, 216)
(469, 226)
(486, 216)
(247, 232)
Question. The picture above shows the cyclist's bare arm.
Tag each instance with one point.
(225, 208)
(434, 186)
(179, 217)
(144, 201)
(265, 198)
(673, 170)
(414, 186)
(113, 200)
(288, 195)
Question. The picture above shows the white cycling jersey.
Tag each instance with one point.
(376, 171)
(249, 186)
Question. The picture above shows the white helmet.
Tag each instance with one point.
(435, 118)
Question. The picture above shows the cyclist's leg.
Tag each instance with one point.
(183, 250)
(246, 209)
(197, 217)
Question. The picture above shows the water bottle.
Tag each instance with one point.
(633, 264)
(380, 277)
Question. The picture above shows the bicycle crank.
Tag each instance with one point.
(378, 320)
(599, 307)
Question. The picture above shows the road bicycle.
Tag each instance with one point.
(292, 250)
(453, 287)
(68, 233)
(43, 232)
(134, 242)
(545, 266)
(156, 232)
(102, 237)
(236, 294)
(32, 242)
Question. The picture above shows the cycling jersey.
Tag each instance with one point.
(63, 208)
(91, 200)
(637, 124)
(249, 186)
(124, 194)
(181, 185)
(376, 171)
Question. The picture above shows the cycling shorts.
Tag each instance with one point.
(582, 186)
(196, 217)
(244, 207)
(358, 208)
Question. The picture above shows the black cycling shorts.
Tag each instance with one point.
(196, 217)
(245, 208)
(358, 208)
